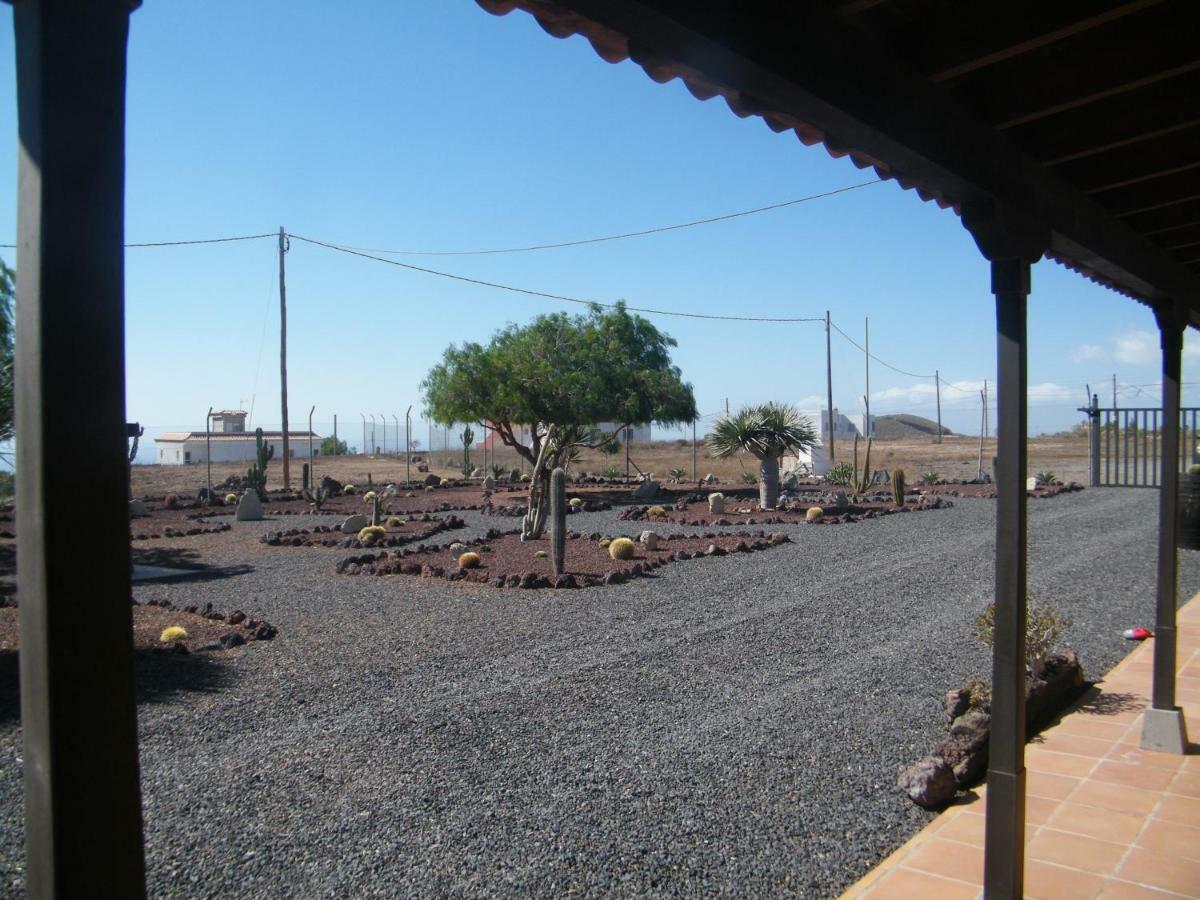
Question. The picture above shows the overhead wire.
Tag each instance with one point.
(618, 237)
(547, 295)
(220, 240)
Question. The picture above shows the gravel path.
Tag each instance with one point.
(732, 725)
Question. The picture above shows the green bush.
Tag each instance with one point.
(1044, 625)
(841, 474)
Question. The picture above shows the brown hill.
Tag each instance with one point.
(898, 427)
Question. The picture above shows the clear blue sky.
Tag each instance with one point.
(430, 124)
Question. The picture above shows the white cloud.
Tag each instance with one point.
(1087, 353)
(1137, 348)
(1049, 392)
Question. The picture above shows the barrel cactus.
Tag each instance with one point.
(656, 512)
(173, 633)
(371, 534)
(716, 503)
(621, 548)
(395, 521)
(231, 499)
(348, 490)
(368, 497)
(814, 514)
(468, 560)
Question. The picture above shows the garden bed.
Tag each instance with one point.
(695, 511)
(396, 535)
(507, 561)
(987, 491)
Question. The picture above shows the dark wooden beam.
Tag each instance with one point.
(1170, 151)
(83, 824)
(1180, 236)
(806, 63)
(1150, 195)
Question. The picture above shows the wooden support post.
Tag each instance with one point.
(1011, 245)
(1163, 726)
(83, 813)
(283, 248)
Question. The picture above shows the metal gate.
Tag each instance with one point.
(1125, 445)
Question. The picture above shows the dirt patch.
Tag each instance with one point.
(396, 535)
(507, 561)
(695, 511)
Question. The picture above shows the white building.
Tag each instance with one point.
(229, 441)
(814, 461)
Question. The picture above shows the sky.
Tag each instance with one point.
(432, 125)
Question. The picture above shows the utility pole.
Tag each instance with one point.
(829, 386)
(937, 386)
(867, 364)
(335, 437)
(364, 446)
(1114, 391)
(982, 428)
(283, 248)
(695, 476)
(311, 465)
(208, 448)
(986, 424)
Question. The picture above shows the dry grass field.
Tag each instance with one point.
(954, 458)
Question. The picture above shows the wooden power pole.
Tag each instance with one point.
(283, 248)
(829, 385)
(937, 386)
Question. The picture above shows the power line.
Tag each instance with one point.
(617, 237)
(873, 356)
(220, 240)
(532, 293)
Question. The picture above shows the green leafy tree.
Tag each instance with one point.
(331, 446)
(7, 286)
(765, 432)
(551, 381)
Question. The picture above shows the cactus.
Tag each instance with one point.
(348, 490)
(862, 482)
(304, 478)
(814, 514)
(898, 487)
(256, 475)
(369, 497)
(230, 499)
(395, 522)
(467, 437)
(371, 534)
(173, 633)
(317, 498)
(558, 520)
(379, 503)
(539, 554)
(469, 561)
(621, 548)
(656, 512)
(576, 502)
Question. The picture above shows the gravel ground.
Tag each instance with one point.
(730, 726)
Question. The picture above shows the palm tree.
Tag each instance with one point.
(765, 432)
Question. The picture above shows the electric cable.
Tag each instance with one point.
(220, 240)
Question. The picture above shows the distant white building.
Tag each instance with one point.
(230, 442)
(814, 461)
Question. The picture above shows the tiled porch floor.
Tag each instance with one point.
(1104, 817)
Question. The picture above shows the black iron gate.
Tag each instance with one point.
(1125, 449)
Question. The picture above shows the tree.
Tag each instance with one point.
(558, 377)
(7, 283)
(331, 446)
(765, 432)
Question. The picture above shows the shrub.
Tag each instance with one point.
(979, 692)
(348, 490)
(458, 547)
(929, 477)
(469, 561)
(604, 542)
(369, 497)
(395, 521)
(621, 548)
(231, 498)
(371, 534)
(814, 514)
(1044, 625)
(611, 472)
(656, 512)
(1046, 477)
(841, 474)
(172, 633)
(747, 478)
(677, 474)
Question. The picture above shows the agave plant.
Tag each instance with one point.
(765, 432)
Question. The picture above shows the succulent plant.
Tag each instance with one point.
(348, 490)
(231, 498)
(1046, 477)
(395, 522)
(898, 487)
(368, 496)
(172, 633)
(371, 534)
(605, 542)
(621, 548)
(656, 512)
(814, 514)
(677, 474)
(468, 561)
(576, 502)
(841, 474)
(539, 554)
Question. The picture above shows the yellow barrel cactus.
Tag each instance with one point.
(621, 548)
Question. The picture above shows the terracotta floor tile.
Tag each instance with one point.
(1177, 808)
(1170, 761)
(1037, 809)
(965, 828)
(1116, 797)
(949, 859)
(1041, 760)
(1093, 727)
(909, 884)
(1077, 744)
(1135, 776)
(1075, 851)
(1159, 870)
(1115, 889)
(1187, 784)
(1044, 881)
(1104, 825)
(1045, 784)
(1171, 838)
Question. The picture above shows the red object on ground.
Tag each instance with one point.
(1137, 634)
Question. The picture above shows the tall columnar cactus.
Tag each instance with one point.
(467, 437)
(898, 487)
(862, 482)
(304, 478)
(558, 520)
(256, 475)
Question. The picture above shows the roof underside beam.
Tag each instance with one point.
(799, 63)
